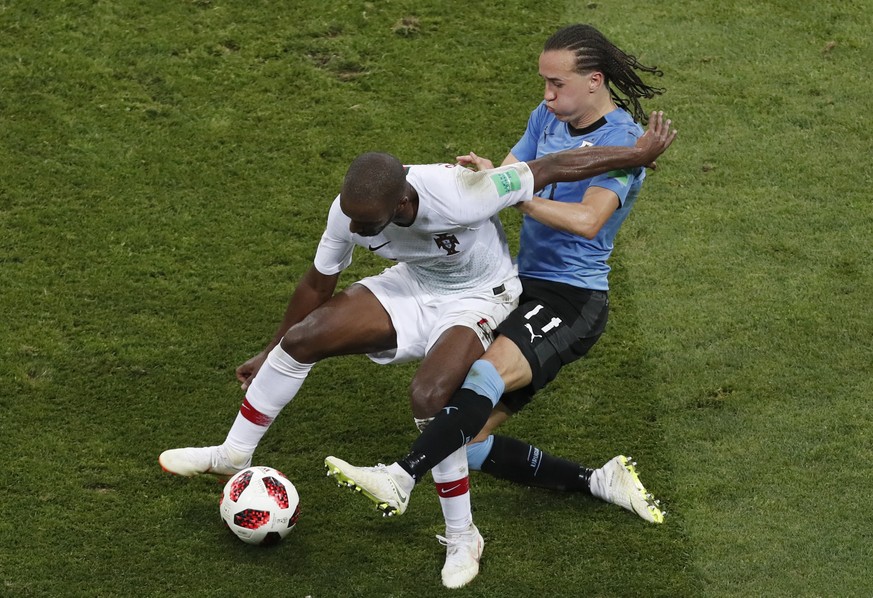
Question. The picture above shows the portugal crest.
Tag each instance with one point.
(447, 241)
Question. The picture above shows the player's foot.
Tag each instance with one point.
(463, 551)
(390, 491)
(220, 461)
(617, 482)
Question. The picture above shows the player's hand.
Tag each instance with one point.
(247, 371)
(657, 138)
(477, 162)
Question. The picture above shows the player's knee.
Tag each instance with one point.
(304, 350)
(426, 399)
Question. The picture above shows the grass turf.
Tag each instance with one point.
(165, 173)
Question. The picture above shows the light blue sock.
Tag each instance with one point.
(484, 380)
(478, 452)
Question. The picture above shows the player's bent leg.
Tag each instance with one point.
(387, 486)
(220, 461)
(618, 483)
(352, 322)
(443, 369)
(463, 552)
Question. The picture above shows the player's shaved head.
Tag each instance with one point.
(373, 179)
(374, 188)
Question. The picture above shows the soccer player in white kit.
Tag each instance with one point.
(453, 283)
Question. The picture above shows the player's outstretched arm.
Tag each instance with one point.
(583, 163)
(313, 289)
(588, 217)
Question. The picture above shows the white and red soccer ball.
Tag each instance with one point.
(260, 505)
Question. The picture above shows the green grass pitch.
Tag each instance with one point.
(165, 171)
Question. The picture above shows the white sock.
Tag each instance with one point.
(452, 480)
(275, 385)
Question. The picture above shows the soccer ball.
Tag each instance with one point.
(260, 505)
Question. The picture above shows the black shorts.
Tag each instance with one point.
(553, 325)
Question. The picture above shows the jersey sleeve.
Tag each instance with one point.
(484, 193)
(334, 253)
(526, 148)
(619, 182)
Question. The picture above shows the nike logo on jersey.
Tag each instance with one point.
(371, 248)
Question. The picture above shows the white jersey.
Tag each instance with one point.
(456, 243)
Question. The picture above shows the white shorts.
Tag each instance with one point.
(420, 316)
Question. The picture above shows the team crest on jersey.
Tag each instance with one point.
(448, 242)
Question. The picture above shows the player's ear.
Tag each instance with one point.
(399, 207)
(595, 81)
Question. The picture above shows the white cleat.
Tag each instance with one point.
(216, 460)
(463, 551)
(390, 492)
(617, 482)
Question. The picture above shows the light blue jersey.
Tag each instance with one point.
(548, 254)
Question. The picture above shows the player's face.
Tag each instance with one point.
(567, 94)
(370, 220)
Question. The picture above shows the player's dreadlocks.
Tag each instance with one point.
(595, 52)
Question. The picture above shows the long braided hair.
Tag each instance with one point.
(596, 53)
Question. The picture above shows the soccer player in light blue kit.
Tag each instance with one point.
(567, 236)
